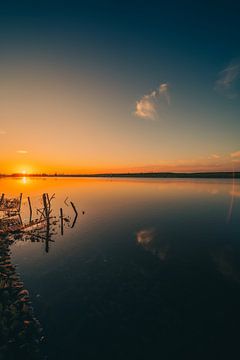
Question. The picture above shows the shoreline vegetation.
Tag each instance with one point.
(21, 334)
(174, 175)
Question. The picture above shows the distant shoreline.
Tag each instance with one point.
(160, 175)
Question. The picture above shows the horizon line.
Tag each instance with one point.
(215, 174)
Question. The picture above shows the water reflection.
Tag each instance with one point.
(223, 255)
(20, 332)
(24, 180)
(154, 263)
(150, 242)
(145, 237)
(235, 193)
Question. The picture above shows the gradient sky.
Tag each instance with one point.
(137, 86)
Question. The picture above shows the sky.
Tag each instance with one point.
(131, 86)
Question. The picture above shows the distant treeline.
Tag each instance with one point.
(200, 175)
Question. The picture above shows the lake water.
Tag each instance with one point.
(150, 269)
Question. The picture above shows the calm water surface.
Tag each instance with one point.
(151, 269)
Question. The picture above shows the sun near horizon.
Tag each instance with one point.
(119, 180)
(69, 105)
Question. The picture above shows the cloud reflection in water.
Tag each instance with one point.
(150, 242)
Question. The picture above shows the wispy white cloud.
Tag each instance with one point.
(228, 78)
(147, 106)
(22, 152)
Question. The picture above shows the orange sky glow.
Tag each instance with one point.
(51, 122)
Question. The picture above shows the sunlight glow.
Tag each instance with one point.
(24, 180)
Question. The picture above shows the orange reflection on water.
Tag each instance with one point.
(118, 186)
(24, 180)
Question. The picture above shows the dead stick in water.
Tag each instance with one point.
(74, 208)
(20, 219)
(48, 222)
(30, 208)
(45, 205)
(74, 221)
(61, 217)
(2, 198)
(42, 214)
(20, 203)
(49, 204)
(52, 197)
